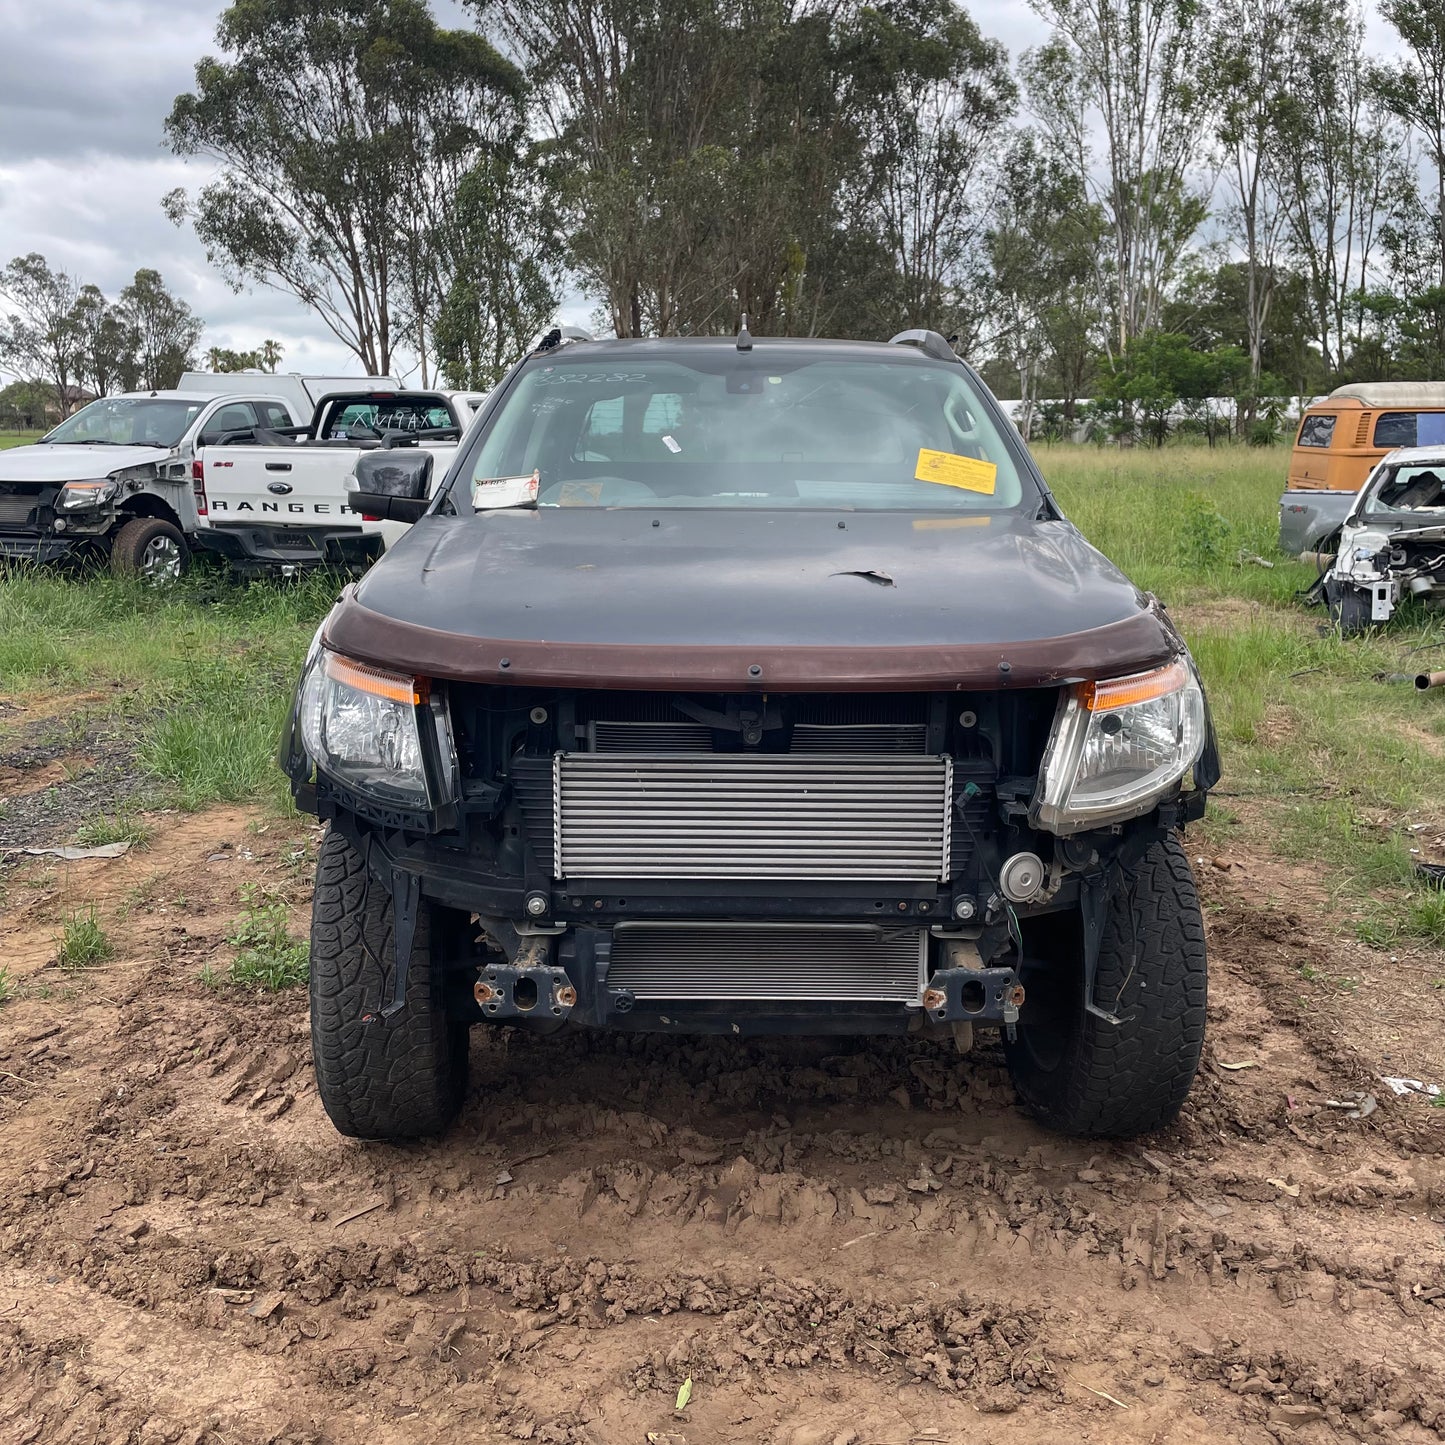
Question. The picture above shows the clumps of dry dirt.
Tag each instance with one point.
(1293, 1391)
(862, 1241)
(1280, 952)
(57, 770)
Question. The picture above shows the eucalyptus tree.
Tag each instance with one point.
(1044, 246)
(687, 139)
(106, 341)
(163, 332)
(1415, 91)
(506, 270)
(818, 167)
(39, 339)
(337, 124)
(1254, 129)
(934, 139)
(1121, 89)
(1346, 169)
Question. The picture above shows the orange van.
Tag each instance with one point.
(1339, 441)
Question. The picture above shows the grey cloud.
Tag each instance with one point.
(85, 86)
(81, 76)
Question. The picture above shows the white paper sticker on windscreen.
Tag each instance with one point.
(489, 493)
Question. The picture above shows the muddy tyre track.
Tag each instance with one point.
(834, 1240)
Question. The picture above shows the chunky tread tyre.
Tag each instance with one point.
(402, 1078)
(128, 548)
(1089, 1078)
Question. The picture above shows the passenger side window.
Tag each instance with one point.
(662, 413)
(275, 415)
(1316, 431)
(603, 423)
(1396, 429)
(235, 416)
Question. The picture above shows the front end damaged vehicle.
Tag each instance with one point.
(1392, 544)
(117, 481)
(750, 689)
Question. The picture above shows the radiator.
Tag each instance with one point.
(769, 961)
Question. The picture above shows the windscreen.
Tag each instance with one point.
(1410, 489)
(129, 421)
(745, 429)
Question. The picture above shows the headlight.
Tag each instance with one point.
(74, 495)
(1117, 745)
(359, 724)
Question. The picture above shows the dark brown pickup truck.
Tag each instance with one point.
(749, 687)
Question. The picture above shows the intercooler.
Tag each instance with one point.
(751, 815)
(845, 963)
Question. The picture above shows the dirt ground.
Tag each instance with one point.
(840, 1241)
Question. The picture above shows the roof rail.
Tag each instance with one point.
(930, 343)
(561, 336)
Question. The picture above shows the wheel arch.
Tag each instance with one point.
(147, 504)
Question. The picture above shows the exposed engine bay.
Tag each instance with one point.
(1392, 545)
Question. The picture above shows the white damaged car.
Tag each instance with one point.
(1392, 544)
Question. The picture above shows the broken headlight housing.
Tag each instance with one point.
(361, 725)
(1117, 746)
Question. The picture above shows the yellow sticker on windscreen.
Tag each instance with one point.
(951, 470)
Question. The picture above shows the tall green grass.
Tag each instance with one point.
(203, 671)
(1183, 521)
(1332, 762)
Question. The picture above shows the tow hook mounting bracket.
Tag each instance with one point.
(506, 991)
(529, 984)
(975, 995)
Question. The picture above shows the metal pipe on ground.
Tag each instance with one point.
(1426, 680)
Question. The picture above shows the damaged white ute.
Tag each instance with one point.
(1392, 544)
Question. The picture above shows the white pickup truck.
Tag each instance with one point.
(273, 499)
(115, 480)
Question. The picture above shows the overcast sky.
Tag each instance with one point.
(84, 88)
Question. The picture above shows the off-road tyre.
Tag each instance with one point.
(1349, 609)
(1092, 1079)
(137, 548)
(398, 1078)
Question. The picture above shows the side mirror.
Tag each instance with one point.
(390, 485)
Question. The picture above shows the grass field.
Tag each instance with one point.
(200, 675)
(17, 438)
(1322, 761)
